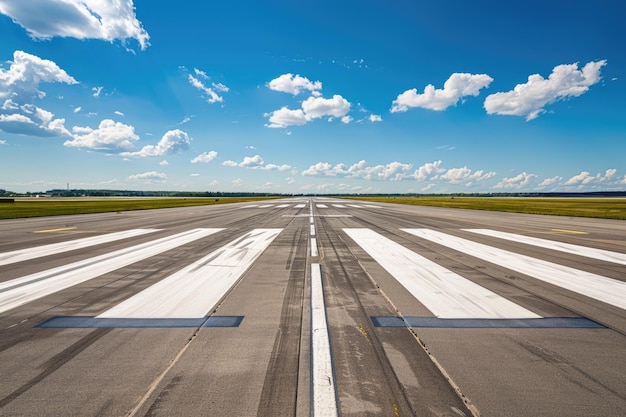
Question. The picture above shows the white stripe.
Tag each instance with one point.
(300, 206)
(312, 230)
(266, 206)
(339, 205)
(445, 293)
(322, 206)
(283, 205)
(22, 290)
(54, 248)
(324, 396)
(355, 205)
(371, 206)
(196, 289)
(314, 251)
(251, 206)
(601, 288)
(599, 254)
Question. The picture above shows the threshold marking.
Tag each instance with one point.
(195, 290)
(62, 229)
(599, 254)
(445, 293)
(323, 378)
(598, 287)
(439, 323)
(54, 248)
(85, 322)
(20, 291)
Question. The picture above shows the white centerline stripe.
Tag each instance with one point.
(600, 288)
(599, 254)
(312, 230)
(314, 251)
(443, 292)
(54, 248)
(196, 289)
(22, 290)
(324, 396)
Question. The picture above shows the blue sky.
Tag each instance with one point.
(327, 97)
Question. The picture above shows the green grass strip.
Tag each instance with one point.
(605, 208)
(58, 207)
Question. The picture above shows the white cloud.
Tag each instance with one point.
(81, 19)
(623, 181)
(256, 162)
(97, 91)
(312, 108)
(204, 158)
(3, 142)
(119, 113)
(201, 73)
(518, 182)
(375, 118)
(213, 97)
(195, 175)
(428, 171)
(394, 171)
(110, 136)
(550, 181)
(346, 119)
(149, 177)
(172, 142)
(164, 163)
(529, 99)
(585, 178)
(19, 87)
(457, 86)
(294, 84)
(77, 109)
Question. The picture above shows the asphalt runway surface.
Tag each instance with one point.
(320, 307)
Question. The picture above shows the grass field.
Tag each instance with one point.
(605, 208)
(55, 207)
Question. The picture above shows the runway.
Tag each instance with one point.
(312, 306)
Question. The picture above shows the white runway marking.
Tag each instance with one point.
(283, 205)
(600, 288)
(445, 293)
(323, 206)
(300, 206)
(324, 396)
(22, 290)
(371, 206)
(339, 206)
(54, 248)
(266, 206)
(355, 206)
(195, 290)
(599, 254)
(314, 251)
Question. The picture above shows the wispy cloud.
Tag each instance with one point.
(204, 158)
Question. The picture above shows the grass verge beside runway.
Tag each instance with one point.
(605, 208)
(22, 208)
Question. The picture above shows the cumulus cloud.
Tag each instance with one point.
(204, 158)
(550, 181)
(172, 142)
(256, 162)
(110, 137)
(80, 19)
(19, 88)
(585, 178)
(398, 171)
(312, 108)
(152, 177)
(294, 84)
(518, 182)
(211, 95)
(375, 118)
(529, 99)
(457, 86)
